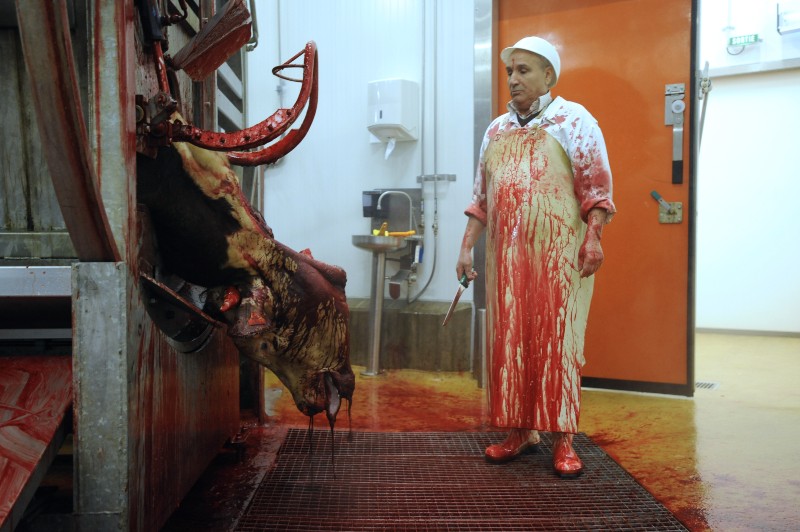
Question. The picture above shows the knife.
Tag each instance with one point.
(463, 284)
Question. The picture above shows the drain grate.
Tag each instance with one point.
(706, 385)
(440, 481)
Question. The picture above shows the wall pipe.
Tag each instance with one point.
(435, 224)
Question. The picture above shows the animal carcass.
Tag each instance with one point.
(283, 308)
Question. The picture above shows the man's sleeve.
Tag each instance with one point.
(478, 206)
(590, 167)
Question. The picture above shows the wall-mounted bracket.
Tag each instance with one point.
(436, 177)
(668, 212)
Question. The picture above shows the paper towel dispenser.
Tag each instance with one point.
(393, 109)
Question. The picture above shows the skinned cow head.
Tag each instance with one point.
(296, 324)
(284, 309)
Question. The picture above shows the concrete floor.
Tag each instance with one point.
(727, 459)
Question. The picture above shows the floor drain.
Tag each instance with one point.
(706, 385)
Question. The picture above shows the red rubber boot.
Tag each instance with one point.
(565, 459)
(517, 442)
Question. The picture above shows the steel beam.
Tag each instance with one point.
(35, 281)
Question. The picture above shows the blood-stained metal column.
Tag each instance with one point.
(103, 305)
(485, 89)
(102, 440)
(112, 115)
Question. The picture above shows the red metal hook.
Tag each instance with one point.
(272, 153)
(267, 130)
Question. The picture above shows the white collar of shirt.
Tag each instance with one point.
(538, 104)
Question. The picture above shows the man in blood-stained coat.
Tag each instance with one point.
(543, 193)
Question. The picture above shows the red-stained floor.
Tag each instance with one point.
(35, 394)
(726, 459)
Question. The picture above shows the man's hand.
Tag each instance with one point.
(464, 265)
(590, 256)
(471, 233)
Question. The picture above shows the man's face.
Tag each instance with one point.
(528, 79)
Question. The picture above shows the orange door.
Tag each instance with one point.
(617, 58)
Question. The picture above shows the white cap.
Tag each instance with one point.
(538, 46)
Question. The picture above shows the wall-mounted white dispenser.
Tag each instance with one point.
(393, 109)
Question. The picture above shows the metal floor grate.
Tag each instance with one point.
(440, 481)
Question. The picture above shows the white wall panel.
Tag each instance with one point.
(748, 250)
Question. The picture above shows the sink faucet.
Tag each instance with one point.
(410, 206)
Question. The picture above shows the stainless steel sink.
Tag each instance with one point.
(379, 246)
(379, 243)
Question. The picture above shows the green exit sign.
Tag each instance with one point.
(743, 40)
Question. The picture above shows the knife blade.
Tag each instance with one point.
(463, 285)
